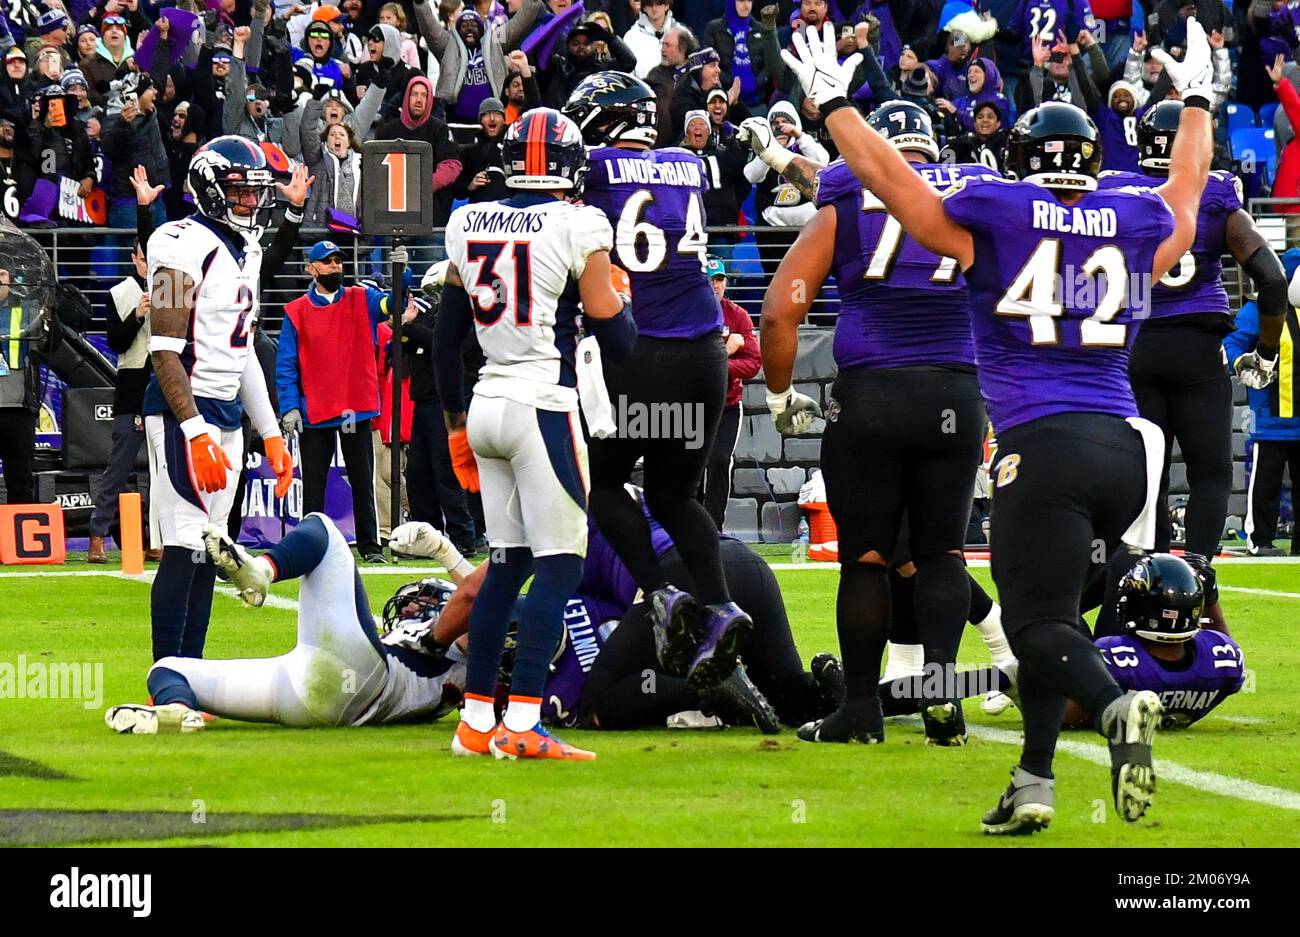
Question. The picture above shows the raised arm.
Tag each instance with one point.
(1189, 161)
(874, 161)
(799, 171)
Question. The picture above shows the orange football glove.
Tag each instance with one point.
(277, 454)
(209, 463)
(462, 460)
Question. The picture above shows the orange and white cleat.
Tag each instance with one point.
(469, 741)
(535, 743)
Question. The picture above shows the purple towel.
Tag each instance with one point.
(541, 42)
(183, 25)
(41, 203)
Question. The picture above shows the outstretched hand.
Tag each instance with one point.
(823, 76)
(295, 192)
(144, 192)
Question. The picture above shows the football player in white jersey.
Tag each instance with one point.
(341, 672)
(205, 272)
(518, 270)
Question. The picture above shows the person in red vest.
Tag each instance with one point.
(328, 383)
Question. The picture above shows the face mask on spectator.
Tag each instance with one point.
(330, 282)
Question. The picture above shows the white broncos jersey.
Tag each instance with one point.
(224, 308)
(520, 260)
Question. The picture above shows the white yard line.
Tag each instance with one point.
(1209, 781)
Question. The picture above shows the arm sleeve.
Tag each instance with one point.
(430, 28)
(1242, 340)
(257, 403)
(286, 236)
(363, 118)
(755, 171)
(236, 91)
(519, 25)
(1290, 99)
(286, 369)
(309, 132)
(377, 304)
(616, 335)
(121, 332)
(454, 322)
(590, 233)
(813, 149)
(253, 50)
(144, 226)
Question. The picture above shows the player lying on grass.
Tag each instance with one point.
(1167, 646)
(343, 672)
(340, 673)
(607, 673)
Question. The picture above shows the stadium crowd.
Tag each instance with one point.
(103, 101)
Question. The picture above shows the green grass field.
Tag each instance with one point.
(1233, 779)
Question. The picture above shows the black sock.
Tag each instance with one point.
(619, 518)
(1042, 709)
(1065, 661)
(862, 610)
(489, 619)
(1108, 623)
(696, 540)
(199, 611)
(169, 600)
(542, 620)
(902, 593)
(942, 603)
(980, 603)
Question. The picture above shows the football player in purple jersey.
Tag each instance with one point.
(905, 423)
(1076, 467)
(1177, 366)
(678, 370)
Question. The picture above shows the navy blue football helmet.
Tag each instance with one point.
(543, 150)
(907, 126)
(222, 174)
(1155, 136)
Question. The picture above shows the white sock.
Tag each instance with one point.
(905, 660)
(479, 713)
(523, 713)
(995, 639)
(262, 563)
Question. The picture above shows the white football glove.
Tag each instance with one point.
(409, 634)
(1254, 372)
(1194, 75)
(792, 412)
(757, 134)
(417, 538)
(820, 72)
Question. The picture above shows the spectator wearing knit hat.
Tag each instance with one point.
(470, 46)
(52, 29)
(724, 160)
(87, 39)
(111, 52)
(482, 174)
(703, 74)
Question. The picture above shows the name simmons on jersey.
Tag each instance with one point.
(502, 222)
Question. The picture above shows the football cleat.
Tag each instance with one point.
(694, 719)
(1026, 807)
(250, 574)
(945, 724)
(674, 616)
(740, 703)
(535, 743)
(133, 719)
(1130, 724)
(469, 741)
(996, 703)
(856, 721)
(828, 674)
(726, 629)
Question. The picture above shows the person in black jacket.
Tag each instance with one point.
(985, 144)
(416, 122)
(435, 495)
(755, 63)
(133, 138)
(127, 327)
(724, 160)
(703, 74)
(590, 48)
(482, 174)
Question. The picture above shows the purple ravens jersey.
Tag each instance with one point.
(1046, 19)
(1196, 284)
(603, 574)
(588, 623)
(1055, 294)
(1188, 689)
(655, 201)
(900, 304)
